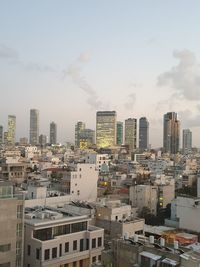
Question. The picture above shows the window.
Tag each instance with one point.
(81, 263)
(94, 259)
(99, 241)
(87, 244)
(19, 229)
(29, 250)
(54, 253)
(66, 265)
(81, 244)
(75, 245)
(78, 227)
(67, 247)
(43, 234)
(74, 264)
(99, 258)
(94, 243)
(7, 264)
(46, 254)
(18, 247)
(37, 253)
(5, 248)
(19, 211)
(60, 250)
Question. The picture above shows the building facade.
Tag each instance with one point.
(143, 134)
(34, 127)
(171, 133)
(11, 129)
(120, 134)
(106, 129)
(57, 238)
(187, 140)
(1, 135)
(80, 126)
(53, 133)
(11, 226)
(131, 133)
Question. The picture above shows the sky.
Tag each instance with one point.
(70, 58)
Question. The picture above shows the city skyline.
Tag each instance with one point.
(68, 63)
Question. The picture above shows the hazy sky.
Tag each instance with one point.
(71, 58)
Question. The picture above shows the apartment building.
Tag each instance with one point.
(59, 238)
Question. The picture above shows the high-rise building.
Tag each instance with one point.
(34, 127)
(42, 140)
(106, 128)
(187, 140)
(78, 128)
(53, 133)
(171, 133)
(119, 133)
(131, 133)
(5, 138)
(11, 129)
(1, 134)
(86, 138)
(11, 226)
(143, 134)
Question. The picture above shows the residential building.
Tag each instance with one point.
(11, 129)
(106, 129)
(187, 140)
(56, 238)
(34, 127)
(11, 226)
(120, 134)
(102, 161)
(78, 128)
(131, 133)
(144, 196)
(143, 134)
(171, 133)
(53, 133)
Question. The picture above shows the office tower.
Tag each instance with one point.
(187, 140)
(131, 133)
(11, 129)
(171, 133)
(119, 133)
(1, 134)
(34, 127)
(78, 128)
(11, 226)
(42, 140)
(86, 138)
(53, 133)
(106, 128)
(23, 141)
(5, 138)
(143, 134)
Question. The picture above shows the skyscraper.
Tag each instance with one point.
(143, 134)
(171, 133)
(119, 133)
(86, 138)
(53, 133)
(1, 134)
(34, 127)
(78, 128)
(187, 140)
(11, 129)
(106, 128)
(131, 133)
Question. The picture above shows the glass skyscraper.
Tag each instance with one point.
(131, 133)
(119, 133)
(143, 134)
(53, 133)
(106, 129)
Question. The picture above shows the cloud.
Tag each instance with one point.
(84, 57)
(184, 78)
(7, 52)
(12, 57)
(188, 119)
(75, 72)
(131, 101)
